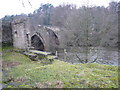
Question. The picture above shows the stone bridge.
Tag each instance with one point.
(26, 35)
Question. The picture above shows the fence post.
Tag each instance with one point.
(56, 53)
(65, 54)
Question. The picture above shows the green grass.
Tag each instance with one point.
(61, 74)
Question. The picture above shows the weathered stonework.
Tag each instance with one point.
(26, 35)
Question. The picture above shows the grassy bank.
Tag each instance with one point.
(22, 72)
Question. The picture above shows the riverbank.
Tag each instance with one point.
(20, 72)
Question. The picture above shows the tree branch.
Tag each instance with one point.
(79, 58)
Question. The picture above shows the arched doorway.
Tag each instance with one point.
(37, 43)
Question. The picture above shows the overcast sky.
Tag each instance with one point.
(9, 7)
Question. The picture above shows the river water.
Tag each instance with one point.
(103, 55)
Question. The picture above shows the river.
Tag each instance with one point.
(108, 56)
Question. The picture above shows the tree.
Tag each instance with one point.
(7, 30)
(42, 15)
(60, 13)
(46, 10)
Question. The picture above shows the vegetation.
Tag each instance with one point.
(90, 26)
(24, 73)
(86, 25)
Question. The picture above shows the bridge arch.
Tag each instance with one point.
(37, 42)
(53, 37)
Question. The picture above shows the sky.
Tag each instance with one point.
(13, 7)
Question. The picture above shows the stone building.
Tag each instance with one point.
(27, 35)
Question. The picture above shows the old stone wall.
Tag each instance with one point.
(20, 27)
(25, 35)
